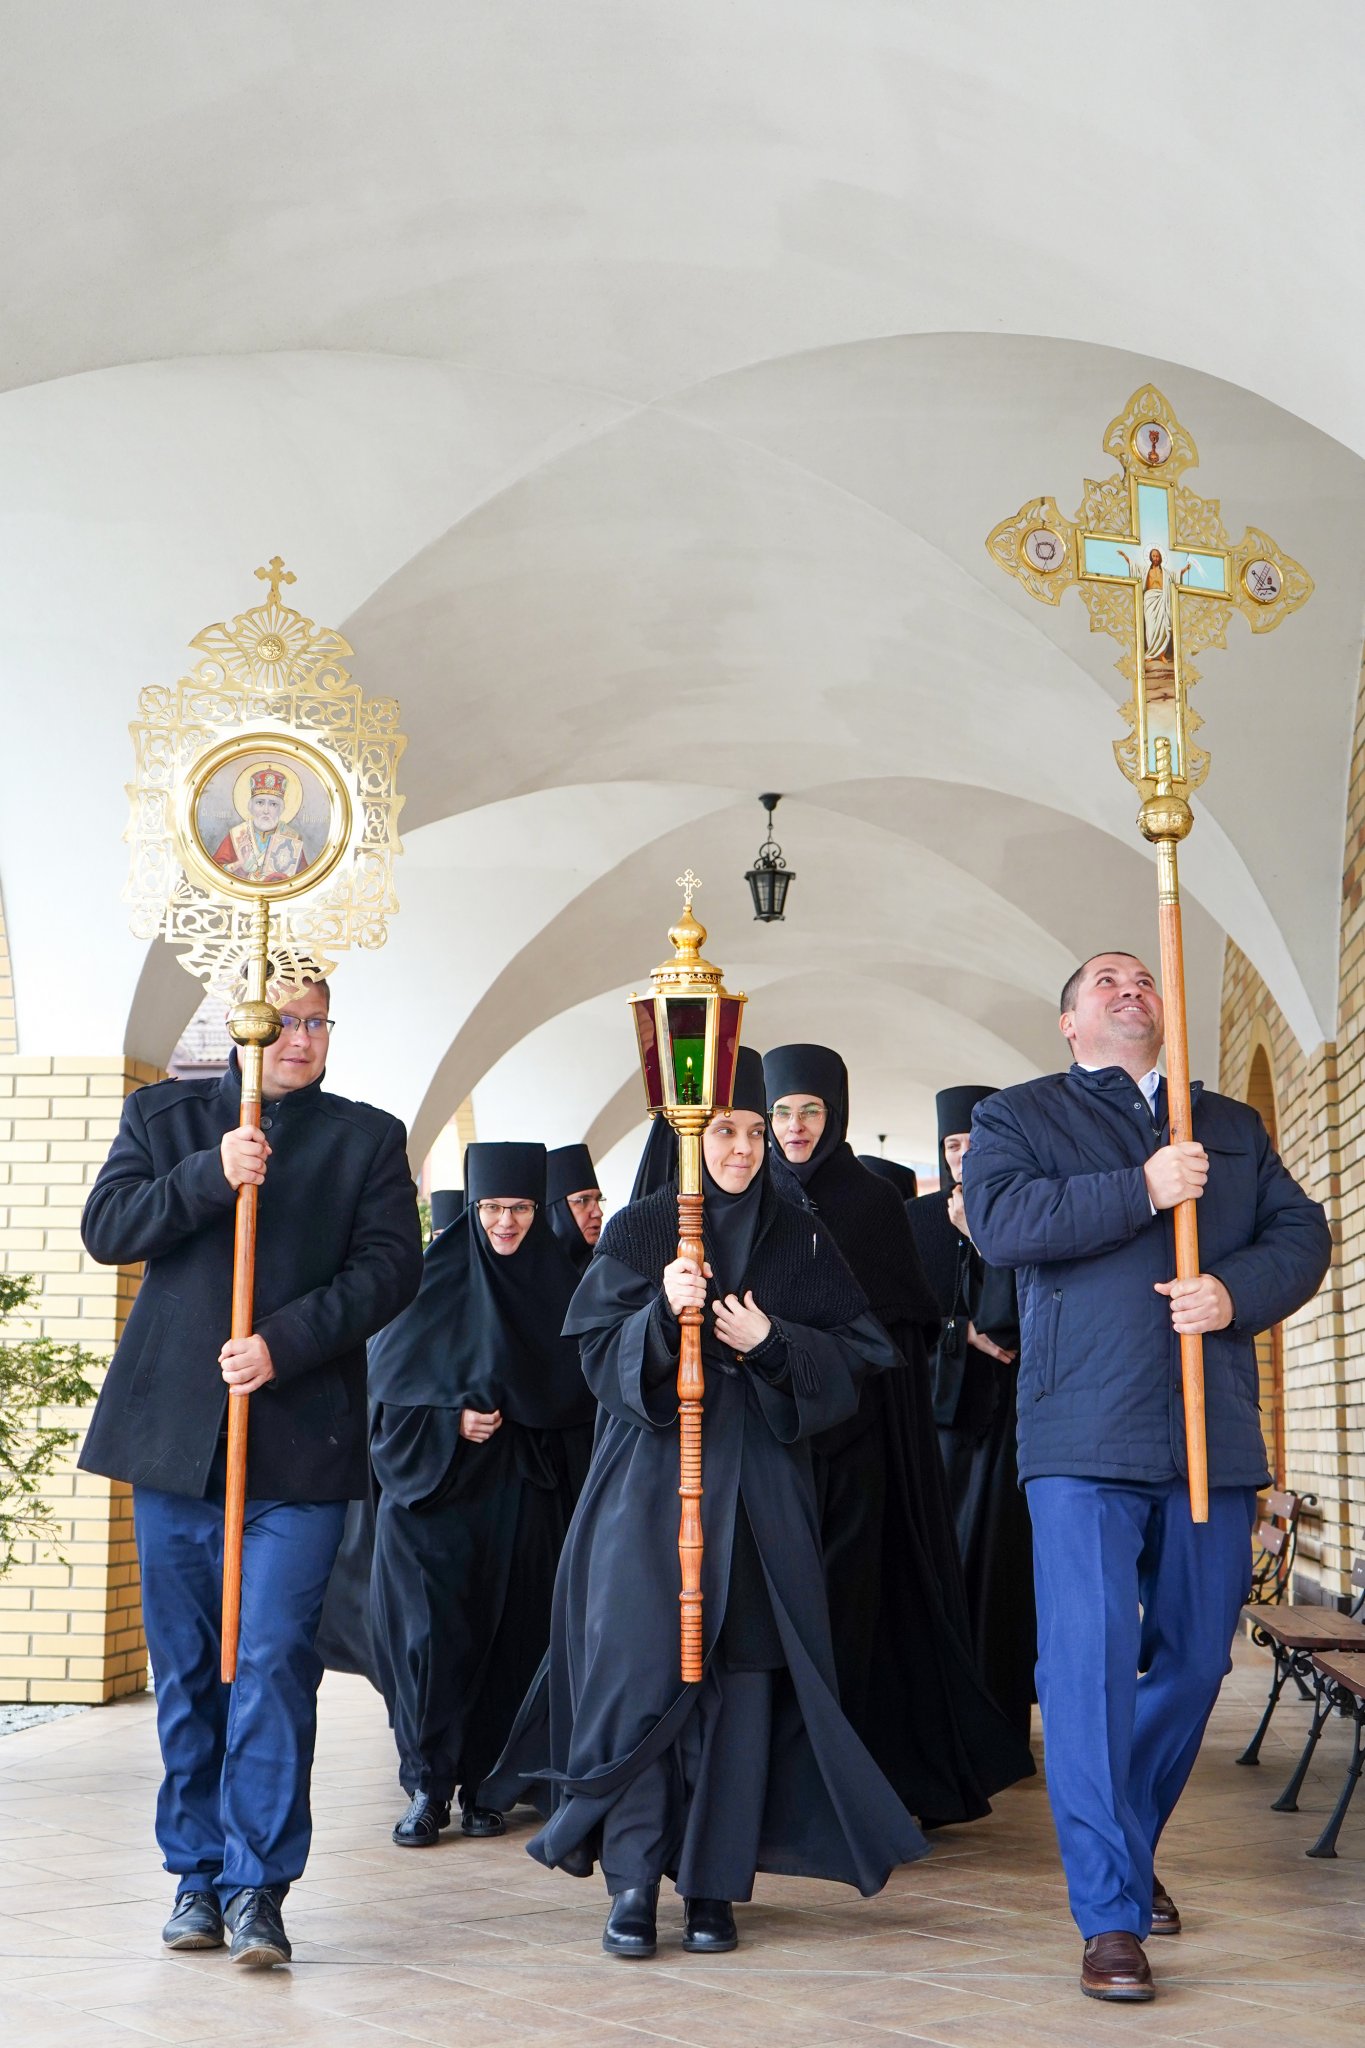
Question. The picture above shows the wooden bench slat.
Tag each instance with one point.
(1281, 1503)
(1347, 1668)
(1305, 1628)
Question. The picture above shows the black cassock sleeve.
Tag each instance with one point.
(805, 1381)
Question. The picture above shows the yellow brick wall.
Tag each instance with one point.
(1308, 1112)
(1351, 1086)
(70, 1628)
(9, 1036)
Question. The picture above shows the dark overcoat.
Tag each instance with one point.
(338, 1254)
(1054, 1186)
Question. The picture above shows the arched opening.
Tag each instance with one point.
(1260, 1094)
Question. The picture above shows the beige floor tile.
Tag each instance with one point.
(472, 1943)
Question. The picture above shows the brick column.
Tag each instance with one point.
(70, 1626)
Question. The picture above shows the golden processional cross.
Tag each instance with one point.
(1157, 569)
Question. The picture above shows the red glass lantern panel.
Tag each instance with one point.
(651, 1066)
(731, 1010)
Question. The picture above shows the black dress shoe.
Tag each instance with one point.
(631, 1928)
(482, 1820)
(709, 1927)
(422, 1823)
(196, 1922)
(258, 1936)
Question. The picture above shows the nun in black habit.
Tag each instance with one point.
(574, 1202)
(975, 1367)
(903, 1178)
(754, 1768)
(344, 1640)
(902, 1634)
(482, 1433)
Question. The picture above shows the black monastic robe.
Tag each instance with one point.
(468, 1535)
(974, 1408)
(755, 1768)
(903, 1637)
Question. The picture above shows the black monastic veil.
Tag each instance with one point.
(756, 1767)
(903, 1640)
(975, 1410)
(568, 1171)
(468, 1534)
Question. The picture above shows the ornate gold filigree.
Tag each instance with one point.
(1262, 582)
(1007, 540)
(271, 671)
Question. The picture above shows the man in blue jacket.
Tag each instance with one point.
(1072, 1180)
(338, 1254)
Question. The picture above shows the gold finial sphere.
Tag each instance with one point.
(251, 1023)
(1165, 816)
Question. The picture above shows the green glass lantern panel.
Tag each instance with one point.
(687, 1048)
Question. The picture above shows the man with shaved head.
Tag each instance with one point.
(1072, 1180)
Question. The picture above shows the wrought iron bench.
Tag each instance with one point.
(1294, 1636)
(1341, 1678)
(1277, 1543)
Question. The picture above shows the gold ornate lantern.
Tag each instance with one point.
(688, 1032)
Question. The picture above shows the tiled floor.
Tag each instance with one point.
(473, 1943)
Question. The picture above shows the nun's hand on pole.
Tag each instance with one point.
(685, 1285)
(741, 1324)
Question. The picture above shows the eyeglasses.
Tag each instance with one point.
(520, 1212)
(808, 1113)
(314, 1026)
(586, 1201)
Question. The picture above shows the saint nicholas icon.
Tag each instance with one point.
(263, 847)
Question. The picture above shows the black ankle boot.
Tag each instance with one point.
(630, 1928)
(709, 1927)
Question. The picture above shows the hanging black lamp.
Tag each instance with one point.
(769, 878)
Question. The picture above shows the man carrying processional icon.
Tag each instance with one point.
(263, 848)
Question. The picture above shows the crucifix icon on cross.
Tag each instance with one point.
(1162, 578)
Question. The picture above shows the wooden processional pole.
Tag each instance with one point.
(691, 1388)
(254, 1024)
(1165, 818)
(1157, 569)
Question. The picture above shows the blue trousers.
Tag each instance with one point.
(1137, 1608)
(233, 1806)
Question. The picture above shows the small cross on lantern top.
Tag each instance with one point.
(689, 884)
(275, 575)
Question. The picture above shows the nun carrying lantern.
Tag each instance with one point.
(688, 1031)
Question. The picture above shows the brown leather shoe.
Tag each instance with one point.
(1114, 1967)
(1165, 1912)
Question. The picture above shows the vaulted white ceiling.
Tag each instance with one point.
(635, 386)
